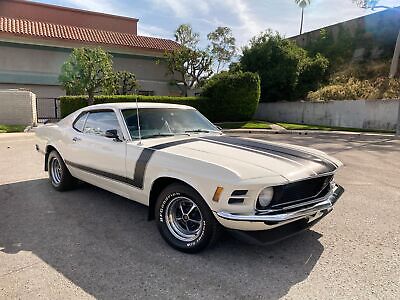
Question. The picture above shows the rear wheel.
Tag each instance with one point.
(184, 220)
(59, 176)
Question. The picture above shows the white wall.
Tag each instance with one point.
(17, 108)
(363, 114)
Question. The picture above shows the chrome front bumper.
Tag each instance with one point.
(321, 208)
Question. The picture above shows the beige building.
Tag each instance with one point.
(36, 39)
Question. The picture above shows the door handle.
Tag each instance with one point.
(76, 139)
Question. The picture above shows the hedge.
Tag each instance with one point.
(226, 97)
(234, 96)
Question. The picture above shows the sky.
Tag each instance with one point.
(247, 18)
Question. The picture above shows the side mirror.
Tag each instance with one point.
(113, 134)
(219, 127)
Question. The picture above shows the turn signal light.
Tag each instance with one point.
(217, 194)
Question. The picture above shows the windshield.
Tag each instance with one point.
(157, 122)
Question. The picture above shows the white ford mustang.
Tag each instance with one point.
(193, 178)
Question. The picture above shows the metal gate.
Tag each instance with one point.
(48, 109)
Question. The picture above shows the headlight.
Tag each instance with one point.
(265, 197)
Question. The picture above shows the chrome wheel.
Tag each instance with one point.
(55, 171)
(184, 219)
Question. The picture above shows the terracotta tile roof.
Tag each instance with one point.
(37, 29)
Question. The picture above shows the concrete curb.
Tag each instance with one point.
(15, 134)
(306, 132)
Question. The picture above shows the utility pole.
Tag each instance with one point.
(395, 61)
(398, 121)
(302, 20)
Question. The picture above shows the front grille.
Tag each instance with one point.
(300, 191)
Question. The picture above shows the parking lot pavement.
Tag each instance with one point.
(90, 243)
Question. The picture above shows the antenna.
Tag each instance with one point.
(138, 122)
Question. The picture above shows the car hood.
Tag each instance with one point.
(250, 158)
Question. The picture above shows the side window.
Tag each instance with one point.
(80, 122)
(99, 122)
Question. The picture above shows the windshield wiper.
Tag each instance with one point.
(157, 135)
(163, 135)
(200, 131)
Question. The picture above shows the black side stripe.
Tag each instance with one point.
(101, 173)
(324, 165)
(145, 156)
(140, 167)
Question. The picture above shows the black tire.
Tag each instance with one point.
(204, 236)
(59, 176)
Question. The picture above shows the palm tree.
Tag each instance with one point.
(302, 4)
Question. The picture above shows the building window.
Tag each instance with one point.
(146, 93)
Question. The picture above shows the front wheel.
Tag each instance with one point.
(184, 220)
(60, 178)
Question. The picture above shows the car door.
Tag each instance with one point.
(95, 158)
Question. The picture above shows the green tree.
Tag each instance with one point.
(312, 71)
(185, 36)
(222, 46)
(286, 70)
(235, 67)
(122, 83)
(302, 4)
(188, 65)
(86, 71)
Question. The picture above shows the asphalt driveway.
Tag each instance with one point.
(90, 243)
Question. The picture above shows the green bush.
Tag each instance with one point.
(287, 72)
(69, 104)
(232, 96)
(309, 70)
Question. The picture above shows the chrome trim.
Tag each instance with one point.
(302, 204)
(238, 197)
(325, 204)
(309, 177)
(124, 126)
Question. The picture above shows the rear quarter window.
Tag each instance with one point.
(79, 122)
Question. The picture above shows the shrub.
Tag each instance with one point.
(232, 96)
(309, 70)
(287, 71)
(354, 89)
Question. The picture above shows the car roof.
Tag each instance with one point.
(132, 105)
